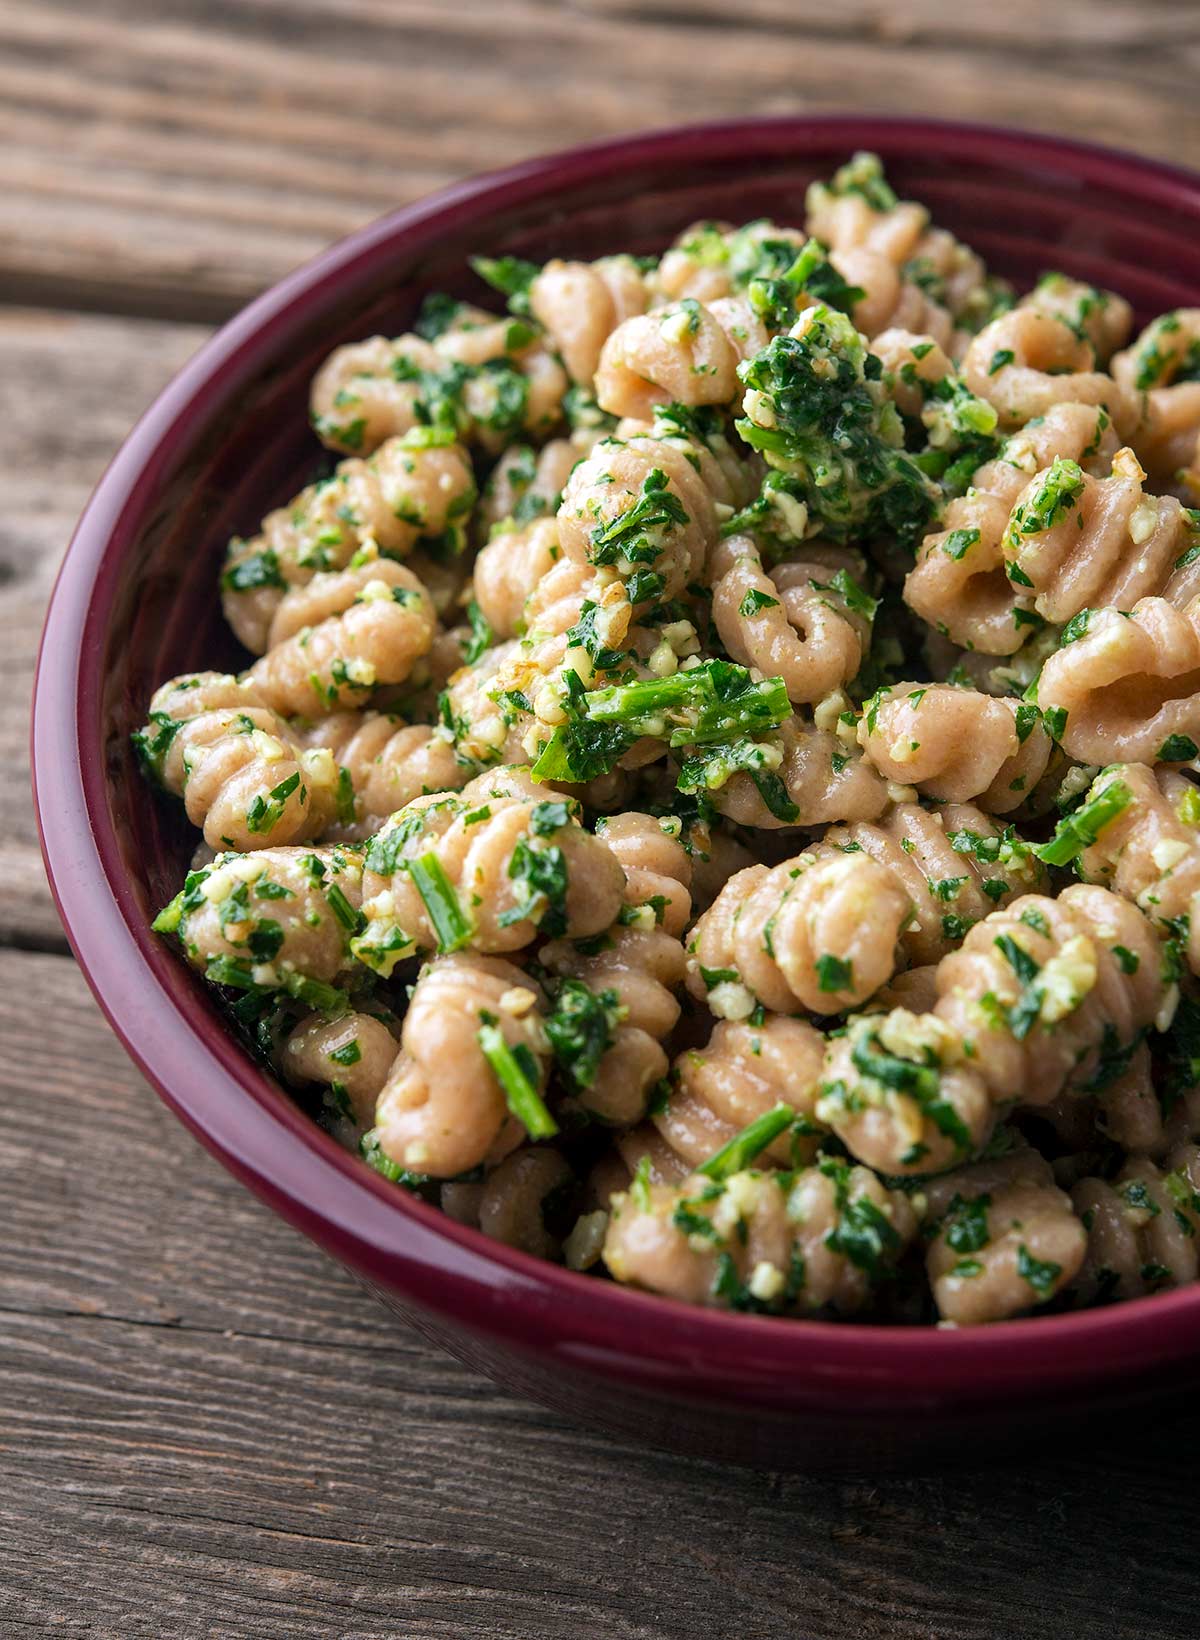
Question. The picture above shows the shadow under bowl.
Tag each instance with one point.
(136, 602)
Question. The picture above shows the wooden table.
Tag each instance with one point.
(205, 1427)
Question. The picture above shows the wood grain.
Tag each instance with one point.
(207, 1429)
(70, 389)
(170, 158)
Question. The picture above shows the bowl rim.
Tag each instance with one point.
(389, 1237)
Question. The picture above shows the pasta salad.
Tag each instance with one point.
(715, 795)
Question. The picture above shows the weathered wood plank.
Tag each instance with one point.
(70, 390)
(206, 1429)
(173, 159)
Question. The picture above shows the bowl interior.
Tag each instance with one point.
(138, 599)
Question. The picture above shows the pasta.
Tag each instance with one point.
(712, 794)
(411, 488)
(1163, 365)
(954, 744)
(1005, 1237)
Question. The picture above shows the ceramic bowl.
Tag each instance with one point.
(136, 602)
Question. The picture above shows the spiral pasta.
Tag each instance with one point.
(1076, 541)
(809, 778)
(1163, 367)
(214, 740)
(686, 353)
(806, 620)
(487, 377)
(1136, 833)
(406, 490)
(488, 867)
(817, 932)
(1028, 360)
(276, 919)
(913, 275)
(955, 864)
(442, 1109)
(349, 1053)
(1141, 1229)
(527, 483)
(960, 583)
(742, 1072)
(1005, 1240)
(956, 744)
(824, 930)
(1039, 995)
(580, 304)
(509, 570)
(620, 997)
(513, 1201)
(777, 1243)
(341, 635)
(1101, 317)
(639, 510)
(1126, 688)
(385, 763)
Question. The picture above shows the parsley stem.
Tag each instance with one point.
(705, 703)
(1078, 831)
(741, 1150)
(451, 924)
(522, 1098)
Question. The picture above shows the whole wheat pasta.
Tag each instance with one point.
(1006, 1239)
(1162, 367)
(386, 762)
(619, 994)
(349, 1053)
(245, 780)
(527, 483)
(509, 570)
(742, 1072)
(277, 919)
(1101, 317)
(487, 377)
(1064, 993)
(442, 1109)
(580, 304)
(1028, 360)
(515, 1195)
(369, 391)
(1145, 1110)
(775, 1242)
(1141, 1229)
(489, 867)
(914, 275)
(822, 780)
(386, 504)
(341, 635)
(960, 583)
(1038, 998)
(956, 744)
(817, 932)
(955, 863)
(1076, 541)
(1126, 687)
(710, 260)
(1136, 833)
(806, 620)
(639, 510)
(687, 353)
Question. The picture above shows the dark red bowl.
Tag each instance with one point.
(135, 603)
